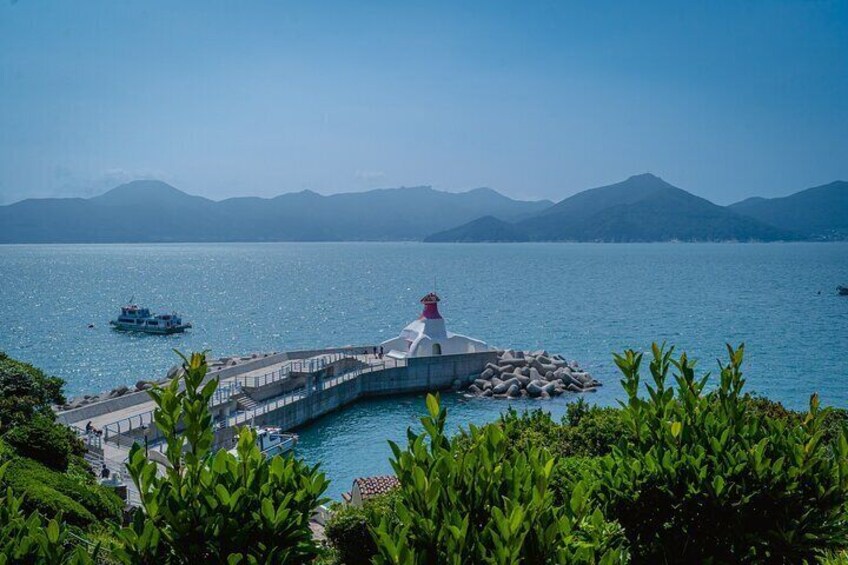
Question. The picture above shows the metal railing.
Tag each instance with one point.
(117, 432)
(246, 416)
(254, 381)
(224, 393)
(91, 439)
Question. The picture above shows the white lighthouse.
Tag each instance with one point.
(427, 336)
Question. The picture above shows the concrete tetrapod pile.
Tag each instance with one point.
(536, 374)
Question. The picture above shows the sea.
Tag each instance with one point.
(584, 301)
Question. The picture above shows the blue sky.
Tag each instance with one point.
(534, 99)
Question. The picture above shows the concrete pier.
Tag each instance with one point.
(284, 389)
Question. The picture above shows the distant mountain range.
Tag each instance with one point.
(153, 211)
(820, 212)
(646, 208)
(641, 208)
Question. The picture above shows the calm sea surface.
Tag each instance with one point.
(582, 300)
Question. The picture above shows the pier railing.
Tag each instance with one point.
(225, 392)
(135, 428)
(255, 381)
(248, 416)
(93, 441)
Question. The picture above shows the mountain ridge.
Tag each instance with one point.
(642, 208)
(154, 211)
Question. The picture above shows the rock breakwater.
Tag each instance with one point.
(535, 374)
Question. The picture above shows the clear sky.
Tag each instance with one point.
(534, 99)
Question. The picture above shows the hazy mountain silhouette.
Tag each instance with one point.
(820, 212)
(153, 211)
(641, 208)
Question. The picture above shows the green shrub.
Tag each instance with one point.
(28, 539)
(585, 431)
(589, 431)
(81, 501)
(707, 478)
(100, 501)
(216, 507)
(473, 499)
(348, 532)
(45, 441)
(349, 528)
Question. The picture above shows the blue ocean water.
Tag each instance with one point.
(582, 300)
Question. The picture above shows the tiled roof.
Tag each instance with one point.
(372, 486)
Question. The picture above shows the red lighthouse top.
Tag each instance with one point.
(431, 307)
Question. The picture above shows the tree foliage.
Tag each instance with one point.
(702, 477)
(44, 440)
(24, 391)
(473, 500)
(216, 507)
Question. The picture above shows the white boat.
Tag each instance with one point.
(136, 319)
(272, 441)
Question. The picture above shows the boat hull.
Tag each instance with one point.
(117, 326)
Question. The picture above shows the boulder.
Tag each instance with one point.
(523, 381)
(506, 368)
(549, 388)
(493, 367)
(488, 373)
(544, 395)
(583, 378)
(142, 385)
(534, 375)
(513, 391)
(534, 388)
(573, 388)
(487, 393)
(482, 384)
(501, 388)
(538, 366)
(474, 389)
(495, 381)
(549, 376)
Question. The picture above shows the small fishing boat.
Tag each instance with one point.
(842, 290)
(133, 318)
(272, 441)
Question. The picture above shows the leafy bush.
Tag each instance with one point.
(585, 431)
(349, 529)
(24, 391)
(704, 477)
(221, 508)
(52, 493)
(100, 501)
(473, 500)
(348, 532)
(589, 431)
(45, 441)
(28, 539)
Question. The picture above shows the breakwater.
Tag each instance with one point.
(287, 390)
(536, 374)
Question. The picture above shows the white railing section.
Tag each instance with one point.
(115, 431)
